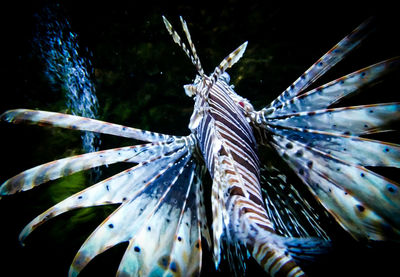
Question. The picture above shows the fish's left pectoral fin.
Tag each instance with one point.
(160, 214)
(161, 222)
(117, 189)
(170, 243)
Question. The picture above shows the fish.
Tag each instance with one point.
(162, 213)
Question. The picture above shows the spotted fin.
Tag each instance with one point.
(114, 190)
(50, 171)
(353, 150)
(81, 123)
(354, 120)
(329, 157)
(177, 252)
(363, 202)
(326, 62)
(161, 212)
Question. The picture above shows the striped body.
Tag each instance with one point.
(229, 149)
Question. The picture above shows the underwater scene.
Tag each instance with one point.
(117, 62)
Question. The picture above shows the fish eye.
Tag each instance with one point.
(197, 80)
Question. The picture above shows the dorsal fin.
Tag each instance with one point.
(177, 39)
(229, 61)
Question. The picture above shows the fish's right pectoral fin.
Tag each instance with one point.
(161, 222)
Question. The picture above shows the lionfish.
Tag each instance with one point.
(162, 213)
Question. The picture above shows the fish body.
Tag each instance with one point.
(229, 148)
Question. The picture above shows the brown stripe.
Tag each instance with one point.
(266, 228)
(249, 210)
(256, 199)
(286, 269)
(232, 181)
(235, 190)
(244, 163)
(274, 263)
(266, 257)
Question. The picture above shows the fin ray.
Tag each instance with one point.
(334, 91)
(365, 203)
(354, 150)
(114, 190)
(53, 170)
(229, 61)
(326, 62)
(292, 213)
(354, 120)
(178, 237)
(80, 123)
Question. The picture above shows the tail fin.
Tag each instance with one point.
(280, 256)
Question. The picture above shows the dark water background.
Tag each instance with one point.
(138, 73)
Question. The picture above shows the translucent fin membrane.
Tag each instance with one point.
(292, 214)
(165, 236)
